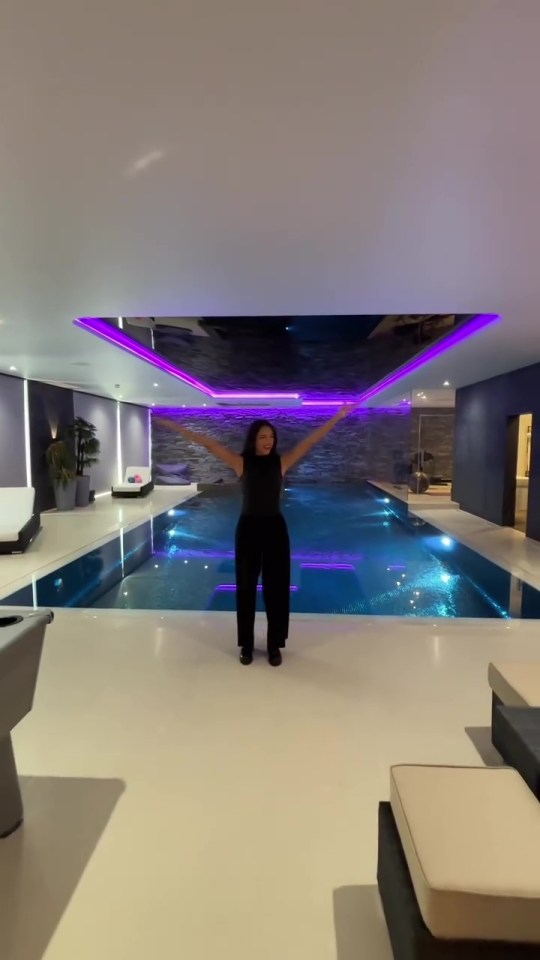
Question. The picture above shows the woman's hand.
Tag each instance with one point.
(168, 424)
(345, 410)
(176, 427)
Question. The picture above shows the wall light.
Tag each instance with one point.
(13, 369)
(27, 452)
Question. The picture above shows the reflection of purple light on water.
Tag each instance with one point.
(178, 552)
(231, 588)
(327, 566)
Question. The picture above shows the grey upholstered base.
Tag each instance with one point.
(516, 735)
(21, 642)
(11, 808)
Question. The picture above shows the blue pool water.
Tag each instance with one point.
(354, 552)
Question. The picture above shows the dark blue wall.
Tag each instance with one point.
(485, 447)
(51, 411)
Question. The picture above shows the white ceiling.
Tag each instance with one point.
(171, 158)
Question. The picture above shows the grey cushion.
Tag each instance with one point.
(178, 469)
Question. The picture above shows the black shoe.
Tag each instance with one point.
(274, 658)
(246, 656)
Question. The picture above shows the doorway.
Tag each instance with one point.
(522, 471)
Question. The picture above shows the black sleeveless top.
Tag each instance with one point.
(261, 485)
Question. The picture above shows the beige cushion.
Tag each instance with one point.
(471, 837)
(516, 684)
(144, 473)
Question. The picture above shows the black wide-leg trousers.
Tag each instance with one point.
(262, 548)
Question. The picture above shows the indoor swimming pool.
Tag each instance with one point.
(354, 551)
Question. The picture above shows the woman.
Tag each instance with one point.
(262, 539)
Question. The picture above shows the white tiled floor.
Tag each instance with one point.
(179, 805)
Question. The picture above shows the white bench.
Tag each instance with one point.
(19, 523)
(459, 865)
(137, 483)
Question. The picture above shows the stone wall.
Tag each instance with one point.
(367, 445)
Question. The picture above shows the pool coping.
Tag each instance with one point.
(441, 519)
(29, 579)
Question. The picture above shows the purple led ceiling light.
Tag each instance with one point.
(100, 328)
(451, 340)
(105, 331)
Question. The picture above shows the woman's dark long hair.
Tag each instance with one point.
(251, 437)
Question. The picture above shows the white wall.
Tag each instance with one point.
(134, 437)
(101, 412)
(12, 455)
(134, 429)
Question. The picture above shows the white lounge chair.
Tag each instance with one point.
(19, 523)
(137, 483)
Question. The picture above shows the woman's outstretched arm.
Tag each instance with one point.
(296, 454)
(233, 460)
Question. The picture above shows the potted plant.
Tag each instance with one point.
(87, 448)
(61, 463)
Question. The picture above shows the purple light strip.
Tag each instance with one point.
(327, 403)
(326, 566)
(100, 328)
(116, 336)
(453, 339)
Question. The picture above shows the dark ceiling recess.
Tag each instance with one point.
(417, 329)
(315, 354)
(315, 329)
(325, 329)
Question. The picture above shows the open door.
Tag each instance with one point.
(518, 469)
(523, 472)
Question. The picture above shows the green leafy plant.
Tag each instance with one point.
(61, 463)
(87, 445)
